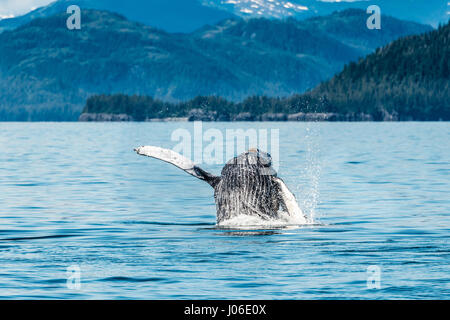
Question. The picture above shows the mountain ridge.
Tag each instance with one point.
(430, 12)
(188, 15)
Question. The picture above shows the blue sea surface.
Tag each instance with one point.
(75, 195)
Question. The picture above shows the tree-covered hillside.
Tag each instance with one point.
(121, 107)
(408, 79)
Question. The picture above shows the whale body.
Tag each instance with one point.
(247, 185)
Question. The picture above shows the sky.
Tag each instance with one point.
(12, 8)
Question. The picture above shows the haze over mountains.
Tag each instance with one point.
(47, 71)
(188, 15)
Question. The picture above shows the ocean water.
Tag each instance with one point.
(77, 203)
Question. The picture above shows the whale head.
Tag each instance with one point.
(257, 159)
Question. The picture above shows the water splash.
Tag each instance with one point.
(309, 192)
(284, 220)
(306, 191)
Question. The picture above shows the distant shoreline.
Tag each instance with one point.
(279, 117)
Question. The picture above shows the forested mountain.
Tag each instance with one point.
(408, 79)
(47, 71)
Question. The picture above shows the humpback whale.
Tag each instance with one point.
(248, 184)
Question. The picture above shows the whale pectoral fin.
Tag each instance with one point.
(177, 160)
(288, 201)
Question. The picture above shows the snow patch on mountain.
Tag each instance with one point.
(261, 8)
